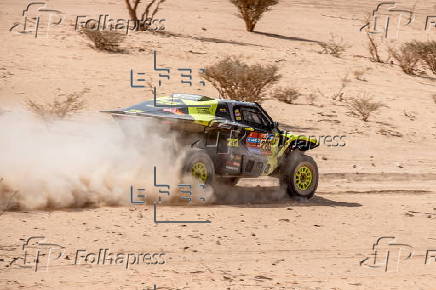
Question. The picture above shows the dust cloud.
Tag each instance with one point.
(85, 161)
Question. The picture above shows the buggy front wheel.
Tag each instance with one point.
(299, 175)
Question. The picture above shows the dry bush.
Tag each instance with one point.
(237, 80)
(339, 95)
(58, 109)
(373, 47)
(426, 51)
(407, 57)
(434, 98)
(359, 75)
(363, 107)
(105, 40)
(145, 19)
(312, 97)
(286, 95)
(252, 10)
(389, 132)
(375, 51)
(410, 115)
(334, 46)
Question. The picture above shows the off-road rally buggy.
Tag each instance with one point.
(228, 140)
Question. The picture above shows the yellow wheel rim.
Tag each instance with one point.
(303, 177)
(199, 171)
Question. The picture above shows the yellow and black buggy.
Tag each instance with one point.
(230, 139)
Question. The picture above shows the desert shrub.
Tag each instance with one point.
(312, 97)
(407, 57)
(339, 95)
(359, 74)
(334, 46)
(237, 80)
(426, 51)
(144, 21)
(410, 115)
(363, 107)
(434, 98)
(252, 10)
(105, 40)
(390, 132)
(373, 47)
(286, 95)
(58, 109)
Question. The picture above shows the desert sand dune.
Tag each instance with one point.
(381, 183)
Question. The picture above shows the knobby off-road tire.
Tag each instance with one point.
(299, 175)
(198, 164)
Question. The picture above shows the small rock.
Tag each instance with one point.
(261, 277)
(197, 52)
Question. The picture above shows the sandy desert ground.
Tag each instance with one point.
(380, 184)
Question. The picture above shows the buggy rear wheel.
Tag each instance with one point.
(199, 166)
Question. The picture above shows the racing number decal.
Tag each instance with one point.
(266, 143)
(262, 142)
